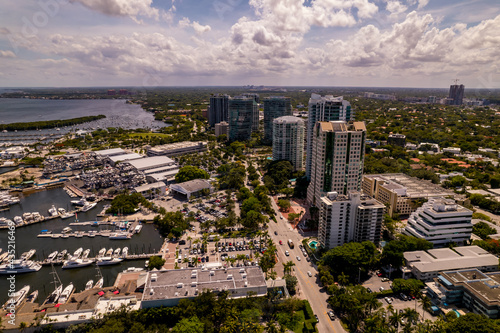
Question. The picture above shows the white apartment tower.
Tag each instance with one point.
(346, 218)
(440, 221)
(324, 108)
(288, 140)
(338, 153)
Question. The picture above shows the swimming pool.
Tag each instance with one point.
(458, 313)
(313, 244)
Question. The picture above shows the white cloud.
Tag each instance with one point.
(130, 8)
(422, 3)
(198, 28)
(7, 54)
(395, 7)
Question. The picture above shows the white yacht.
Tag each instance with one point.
(120, 235)
(89, 284)
(67, 215)
(66, 230)
(53, 211)
(20, 266)
(88, 206)
(102, 252)
(99, 283)
(85, 254)
(53, 255)
(80, 202)
(32, 297)
(18, 220)
(28, 255)
(125, 252)
(78, 253)
(54, 296)
(105, 261)
(116, 253)
(17, 297)
(77, 263)
(109, 252)
(62, 255)
(66, 293)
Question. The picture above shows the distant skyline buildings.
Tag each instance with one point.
(324, 108)
(456, 95)
(218, 110)
(275, 107)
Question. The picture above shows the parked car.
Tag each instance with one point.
(309, 273)
(331, 315)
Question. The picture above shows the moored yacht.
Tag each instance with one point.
(32, 297)
(66, 293)
(53, 255)
(99, 283)
(102, 252)
(78, 253)
(88, 206)
(20, 266)
(17, 297)
(85, 254)
(105, 261)
(77, 263)
(53, 211)
(125, 252)
(89, 284)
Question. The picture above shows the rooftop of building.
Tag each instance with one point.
(191, 186)
(125, 157)
(342, 126)
(177, 283)
(485, 286)
(151, 186)
(327, 98)
(450, 259)
(179, 145)
(442, 206)
(288, 120)
(150, 162)
(110, 152)
(415, 188)
(400, 136)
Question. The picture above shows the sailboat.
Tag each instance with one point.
(54, 296)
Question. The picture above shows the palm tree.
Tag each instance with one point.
(272, 275)
(287, 266)
(395, 318)
(271, 327)
(189, 239)
(411, 315)
(426, 305)
(343, 279)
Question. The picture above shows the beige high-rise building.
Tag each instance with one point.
(338, 154)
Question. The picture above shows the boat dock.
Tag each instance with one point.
(47, 262)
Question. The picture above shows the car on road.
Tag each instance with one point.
(287, 253)
(388, 300)
(369, 290)
(381, 288)
(298, 258)
(385, 279)
(276, 233)
(309, 273)
(317, 319)
(331, 315)
(281, 243)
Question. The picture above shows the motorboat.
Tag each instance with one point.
(53, 211)
(109, 252)
(61, 211)
(138, 228)
(125, 252)
(28, 217)
(99, 283)
(105, 261)
(18, 220)
(20, 266)
(62, 254)
(66, 230)
(89, 206)
(37, 217)
(66, 293)
(77, 263)
(85, 254)
(54, 296)
(89, 284)
(116, 253)
(3, 256)
(17, 297)
(28, 255)
(102, 252)
(52, 256)
(119, 235)
(55, 236)
(78, 253)
(80, 202)
(32, 297)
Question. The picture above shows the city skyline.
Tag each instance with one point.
(370, 43)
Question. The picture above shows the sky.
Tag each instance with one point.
(379, 43)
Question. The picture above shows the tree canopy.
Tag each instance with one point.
(189, 172)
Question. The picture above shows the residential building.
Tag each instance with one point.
(242, 111)
(402, 194)
(222, 128)
(453, 150)
(324, 108)
(288, 140)
(177, 148)
(397, 140)
(456, 95)
(338, 154)
(352, 217)
(426, 265)
(168, 287)
(218, 110)
(469, 288)
(440, 221)
(275, 107)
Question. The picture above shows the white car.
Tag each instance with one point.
(298, 258)
(309, 273)
(287, 253)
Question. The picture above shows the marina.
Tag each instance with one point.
(139, 247)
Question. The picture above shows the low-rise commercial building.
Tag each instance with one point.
(177, 148)
(190, 188)
(167, 288)
(426, 265)
(156, 168)
(476, 291)
(151, 190)
(122, 158)
(402, 192)
(440, 221)
(110, 152)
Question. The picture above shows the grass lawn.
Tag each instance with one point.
(162, 135)
(300, 326)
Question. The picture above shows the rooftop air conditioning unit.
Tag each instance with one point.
(154, 277)
(229, 276)
(180, 285)
(151, 291)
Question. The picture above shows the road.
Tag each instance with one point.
(308, 286)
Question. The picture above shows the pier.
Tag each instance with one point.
(141, 256)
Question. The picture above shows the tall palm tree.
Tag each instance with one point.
(426, 305)
(411, 315)
(287, 266)
(343, 279)
(395, 319)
